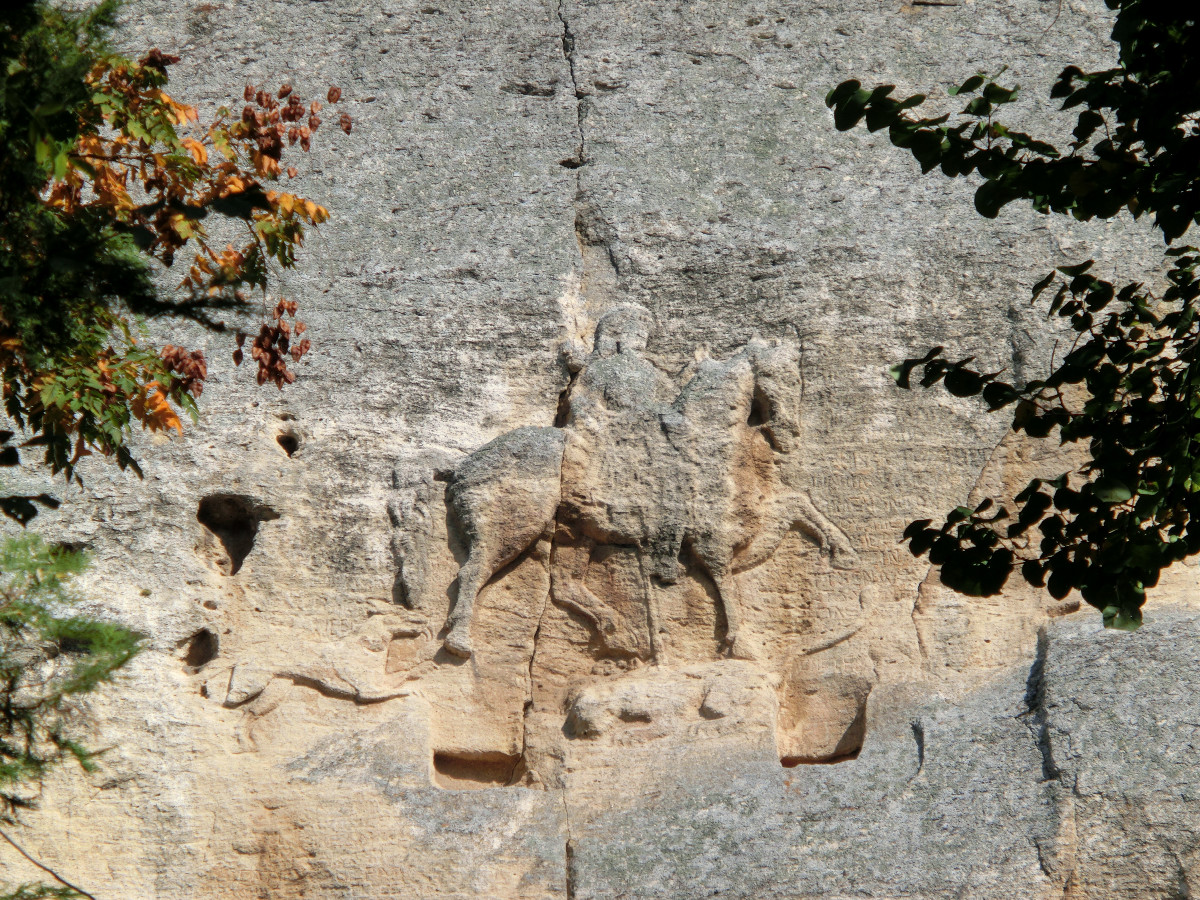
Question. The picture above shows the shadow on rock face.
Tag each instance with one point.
(234, 520)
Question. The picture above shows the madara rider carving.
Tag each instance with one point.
(635, 464)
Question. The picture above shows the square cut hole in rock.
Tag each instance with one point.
(473, 771)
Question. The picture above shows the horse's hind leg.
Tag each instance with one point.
(473, 575)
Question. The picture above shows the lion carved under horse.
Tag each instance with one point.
(694, 473)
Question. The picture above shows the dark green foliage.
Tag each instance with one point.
(47, 658)
(101, 172)
(1136, 144)
(1128, 385)
(41, 892)
(64, 277)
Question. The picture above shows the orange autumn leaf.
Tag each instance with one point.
(181, 112)
(199, 153)
(153, 410)
(234, 185)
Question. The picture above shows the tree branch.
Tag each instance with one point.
(46, 868)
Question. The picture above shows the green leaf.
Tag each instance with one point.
(1122, 620)
(979, 107)
(1111, 490)
(969, 86)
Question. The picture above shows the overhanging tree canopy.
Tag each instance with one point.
(103, 173)
(1109, 528)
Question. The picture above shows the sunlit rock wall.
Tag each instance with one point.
(698, 661)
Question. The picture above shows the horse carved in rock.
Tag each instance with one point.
(698, 475)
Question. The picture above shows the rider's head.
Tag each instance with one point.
(624, 329)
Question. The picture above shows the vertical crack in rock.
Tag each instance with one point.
(918, 730)
(593, 235)
(568, 49)
(562, 413)
(538, 631)
(569, 854)
(916, 611)
(1035, 703)
(532, 659)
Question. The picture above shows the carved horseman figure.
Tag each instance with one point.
(620, 476)
(699, 475)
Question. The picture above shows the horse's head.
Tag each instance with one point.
(776, 367)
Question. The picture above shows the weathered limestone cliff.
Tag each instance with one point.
(569, 567)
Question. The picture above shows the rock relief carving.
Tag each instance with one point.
(694, 475)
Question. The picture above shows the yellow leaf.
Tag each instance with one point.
(181, 112)
(234, 185)
(263, 164)
(199, 154)
(90, 145)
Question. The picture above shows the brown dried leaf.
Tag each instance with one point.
(344, 122)
(156, 59)
(284, 91)
(334, 95)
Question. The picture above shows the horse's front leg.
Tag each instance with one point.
(720, 569)
(739, 643)
(828, 536)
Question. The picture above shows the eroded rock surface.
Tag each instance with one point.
(570, 566)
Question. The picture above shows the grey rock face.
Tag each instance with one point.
(1074, 781)
(578, 253)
